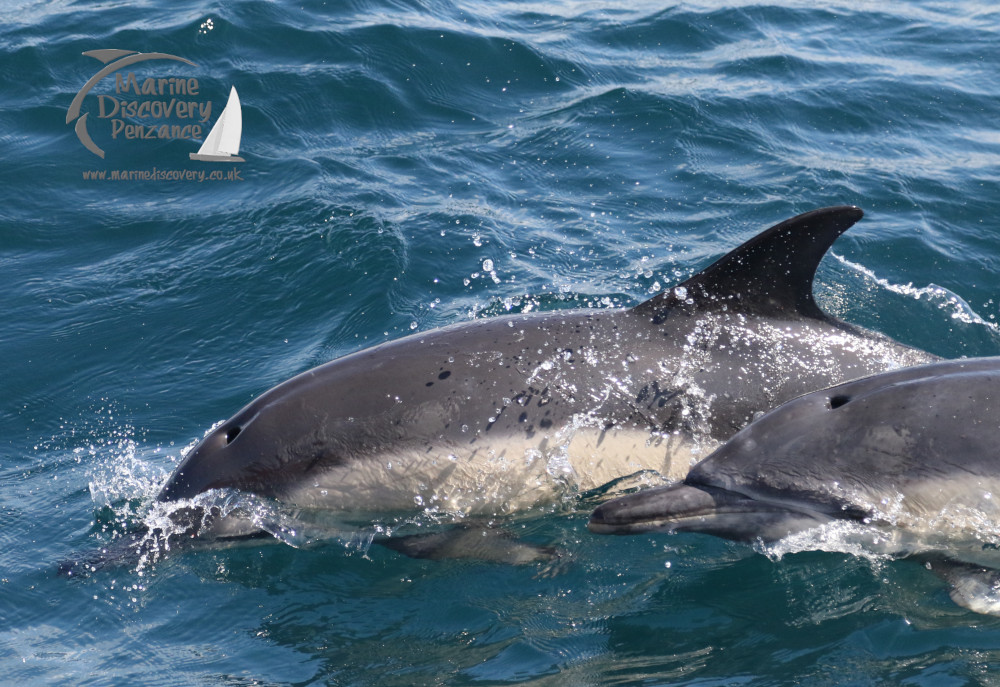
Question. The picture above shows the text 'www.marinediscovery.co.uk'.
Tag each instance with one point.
(162, 175)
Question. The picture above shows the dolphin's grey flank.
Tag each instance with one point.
(493, 416)
(912, 452)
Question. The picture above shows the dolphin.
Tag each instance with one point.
(495, 416)
(910, 455)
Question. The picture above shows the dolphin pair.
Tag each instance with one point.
(490, 417)
(913, 454)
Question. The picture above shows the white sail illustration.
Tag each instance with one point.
(223, 142)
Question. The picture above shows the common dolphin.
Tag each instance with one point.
(498, 415)
(911, 454)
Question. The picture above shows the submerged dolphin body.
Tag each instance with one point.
(911, 454)
(494, 416)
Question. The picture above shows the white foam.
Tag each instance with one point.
(872, 543)
(944, 299)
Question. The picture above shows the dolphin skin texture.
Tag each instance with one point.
(911, 453)
(495, 416)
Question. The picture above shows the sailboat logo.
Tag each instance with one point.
(223, 142)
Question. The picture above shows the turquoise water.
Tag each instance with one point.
(595, 153)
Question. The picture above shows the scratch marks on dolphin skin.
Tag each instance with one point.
(657, 396)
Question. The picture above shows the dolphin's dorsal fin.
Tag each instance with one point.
(771, 274)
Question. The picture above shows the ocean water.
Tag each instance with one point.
(414, 163)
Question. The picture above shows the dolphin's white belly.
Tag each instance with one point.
(955, 507)
(498, 477)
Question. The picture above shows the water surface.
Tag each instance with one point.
(595, 154)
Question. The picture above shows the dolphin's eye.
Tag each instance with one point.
(838, 400)
(232, 434)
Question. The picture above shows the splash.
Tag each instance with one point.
(136, 530)
(966, 532)
(869, 542)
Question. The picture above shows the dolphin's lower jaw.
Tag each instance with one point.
(687, 508)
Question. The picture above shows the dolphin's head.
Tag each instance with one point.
(739, 491)
(234, 454)
(781, 474)
(764, 483)
(267, 448)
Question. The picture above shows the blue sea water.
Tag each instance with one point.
(593, 153)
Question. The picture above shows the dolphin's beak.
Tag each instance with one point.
(662, 508)
(690, 508)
